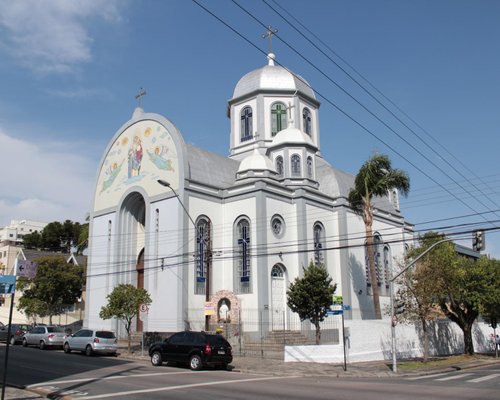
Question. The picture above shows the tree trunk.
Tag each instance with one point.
(318, 332)
(368, 219)
(468, 343)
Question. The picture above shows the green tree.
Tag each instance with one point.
(123, 304)
(460, 286)
(374, 179)
(56, 285)
(57, 237)
(83, 239)
(312, 295)
(32, 240)
(417, 292)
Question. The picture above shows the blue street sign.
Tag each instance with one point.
(7, 284)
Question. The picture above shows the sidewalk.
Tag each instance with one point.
(266, 366)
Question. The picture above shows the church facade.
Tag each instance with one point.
(217, 239)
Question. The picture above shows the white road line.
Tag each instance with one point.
(484, 378)
(416, 378)
(450, 378)
(107, 378)
(168, 388)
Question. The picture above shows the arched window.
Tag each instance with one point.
(278, 118)
(246, 124)
(319, 243)
(277, 272)
(306, 121)
(279, 166)
(309, 167)
(295, 162)
(203, 245)
(387, 265)
(377, 253)
(243, 267)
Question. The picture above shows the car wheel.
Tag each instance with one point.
(156, 359)
(66, 348)
(25, 343)
(12, 340)
(42, 345)
(88, 350)
(195, 362)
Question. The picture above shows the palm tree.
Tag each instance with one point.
(375, 178)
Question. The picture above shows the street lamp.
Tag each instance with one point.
(393, 324)
(199, 238)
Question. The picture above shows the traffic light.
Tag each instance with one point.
(478, 242)
(399, 307)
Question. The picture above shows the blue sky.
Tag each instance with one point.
(70, 71)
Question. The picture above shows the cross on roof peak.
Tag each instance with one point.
(269, 34)
(139, 96)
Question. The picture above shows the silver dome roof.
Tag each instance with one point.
(272, 77)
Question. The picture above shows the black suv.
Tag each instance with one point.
(197, 349)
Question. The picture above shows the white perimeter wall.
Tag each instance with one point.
(371, 341)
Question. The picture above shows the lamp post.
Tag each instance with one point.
(198, 234)
(393, 321)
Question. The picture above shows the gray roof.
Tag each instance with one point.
(220, 172)
(211, 168)
(272, 77)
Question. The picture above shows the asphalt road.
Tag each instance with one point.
(84, 377)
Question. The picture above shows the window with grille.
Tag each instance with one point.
(319, 244)
(203, 245)
(246, 124)
(243, 266)
(279, 166)
(278, 118)
(295, 164)
(306, 121)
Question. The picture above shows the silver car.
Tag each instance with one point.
(92, 341)
(44, 336)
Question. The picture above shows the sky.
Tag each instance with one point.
(416, 80)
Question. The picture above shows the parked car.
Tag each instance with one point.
(17, 332)
(91, 341)
(44, 336)
(197, 349)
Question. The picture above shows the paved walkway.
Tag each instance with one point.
(268, 367)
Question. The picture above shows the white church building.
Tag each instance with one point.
(221, 238)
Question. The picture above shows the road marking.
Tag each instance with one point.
(484, 378)
(415, 378)
(450, 378)
(192, 385)
(98, 378)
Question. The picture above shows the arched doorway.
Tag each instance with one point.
(278, 297)
(132, 230)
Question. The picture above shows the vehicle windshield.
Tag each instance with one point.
(52, 329)
(105, 335)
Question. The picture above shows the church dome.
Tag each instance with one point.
(274, 78)
(291, 136)
(256, 162)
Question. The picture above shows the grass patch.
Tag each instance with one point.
(433, 362)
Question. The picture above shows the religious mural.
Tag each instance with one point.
(143, 153)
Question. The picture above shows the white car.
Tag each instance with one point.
(44, 336)
(91, 341)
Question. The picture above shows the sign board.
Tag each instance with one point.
(7, 284)
(144, 308)
(209, 309)
(26, 268)
(337, 308)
